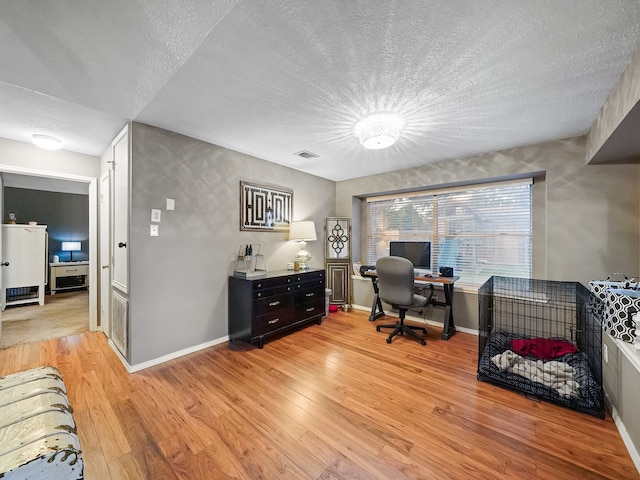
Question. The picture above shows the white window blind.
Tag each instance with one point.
(479, 231)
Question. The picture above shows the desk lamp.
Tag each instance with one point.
(302, 232)
(71, 247)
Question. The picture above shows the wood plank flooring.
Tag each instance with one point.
(330, 401)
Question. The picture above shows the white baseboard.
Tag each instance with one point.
(626, 438)
(166, 358)
(427, 321)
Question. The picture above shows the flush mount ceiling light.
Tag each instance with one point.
(380, 130)
(46, 141)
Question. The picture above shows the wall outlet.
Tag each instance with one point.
(605, 353)
(153, 230)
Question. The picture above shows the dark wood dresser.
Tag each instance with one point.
(275, 303)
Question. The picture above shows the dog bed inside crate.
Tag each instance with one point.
(585, 396)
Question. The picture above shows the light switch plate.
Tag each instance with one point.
(155, 214)
(171, 204)
(153, 230)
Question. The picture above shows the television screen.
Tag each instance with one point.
(419, 253)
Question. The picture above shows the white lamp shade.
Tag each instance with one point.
(71, 246)
(302, 230)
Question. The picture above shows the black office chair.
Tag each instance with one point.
(396, 287)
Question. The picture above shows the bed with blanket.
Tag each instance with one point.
(551, 369)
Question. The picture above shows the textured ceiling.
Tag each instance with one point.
(270, 78)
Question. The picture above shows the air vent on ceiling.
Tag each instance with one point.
(306, 154)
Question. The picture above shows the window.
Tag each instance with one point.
(480, 231)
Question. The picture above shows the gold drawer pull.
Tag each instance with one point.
(275, 320)
(273, 304)
(71, 270)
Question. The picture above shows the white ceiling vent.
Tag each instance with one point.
(306, 154)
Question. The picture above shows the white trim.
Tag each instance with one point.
(426, 321)
(93, 227)
(624, 434)
(166, 358)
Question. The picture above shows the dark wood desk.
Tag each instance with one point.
(447, 283)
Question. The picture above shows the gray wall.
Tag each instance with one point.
(65, 214)
(178, 281)
(585, 216)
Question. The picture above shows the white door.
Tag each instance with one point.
(105, 251)
(120, 166)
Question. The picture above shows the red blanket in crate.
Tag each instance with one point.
(543, 348)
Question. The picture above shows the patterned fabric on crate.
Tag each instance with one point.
(620, 306)
(613, 309)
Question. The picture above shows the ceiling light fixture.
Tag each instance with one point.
(380, 130)
(46, 141)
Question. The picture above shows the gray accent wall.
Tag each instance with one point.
(178, 280)
(586, 217)
(66, 216)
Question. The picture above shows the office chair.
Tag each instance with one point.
(396, 287)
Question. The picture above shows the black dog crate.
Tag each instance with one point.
(542, 338)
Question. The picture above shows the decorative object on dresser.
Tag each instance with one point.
(250, 262)
(302, 232)
(264, 208)
(337, 241)
(260, 308)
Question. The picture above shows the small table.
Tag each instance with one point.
(447, 284)
(66, 271)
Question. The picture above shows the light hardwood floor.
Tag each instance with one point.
(331, 401)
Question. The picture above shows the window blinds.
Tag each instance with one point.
(479, 231)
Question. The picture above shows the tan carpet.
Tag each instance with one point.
(62, 314)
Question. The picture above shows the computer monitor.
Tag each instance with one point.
(419, 253)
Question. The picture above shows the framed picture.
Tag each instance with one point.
(265, 208)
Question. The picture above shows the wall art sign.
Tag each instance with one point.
(264, 208)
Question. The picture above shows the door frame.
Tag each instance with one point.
(93, 227)
(104, 239)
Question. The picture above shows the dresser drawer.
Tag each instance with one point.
(308, 277)
(272, 321)
(272, 304)
(309, 309)
(308, 293)
(272, 291)
(71, 270)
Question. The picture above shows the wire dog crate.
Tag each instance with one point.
(542, 338)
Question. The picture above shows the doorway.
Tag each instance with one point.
(48, 181)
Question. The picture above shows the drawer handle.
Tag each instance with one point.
(310, 295)
(275, 320)
(259, 294)
(311, 309)
(273, 304)
(71, 270)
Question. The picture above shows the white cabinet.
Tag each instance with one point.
(24, 257)
(120, 167)
(68, 275)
